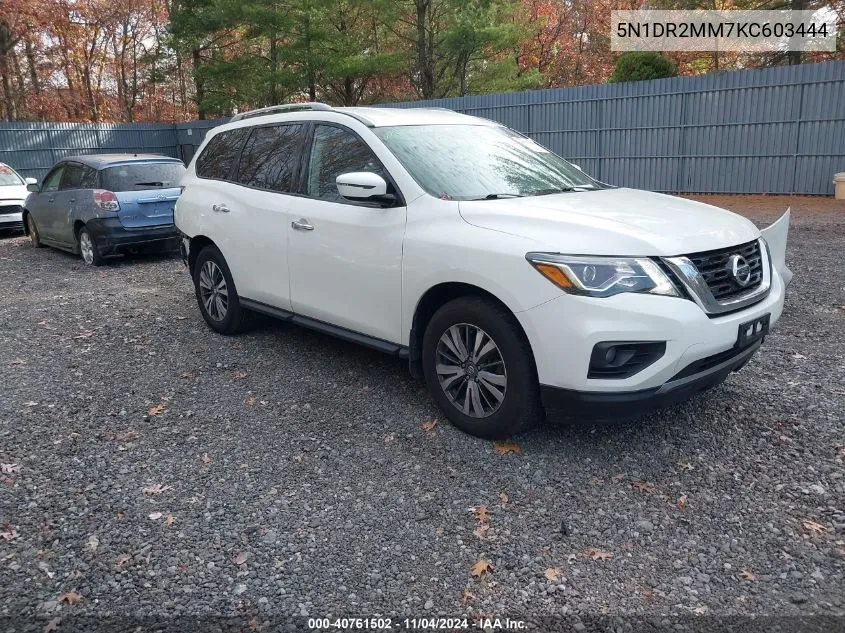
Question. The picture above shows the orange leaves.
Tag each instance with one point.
(482, 513)
(239, 375)
(481, 567)
(553, 574)
(642, 486)
(504, 448)
(747, 575)
(155, 489)
(428, 427)
(815, 529)
(597, 554)
(71, 597)
(156, 410)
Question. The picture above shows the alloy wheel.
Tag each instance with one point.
(86, 247)
(213, 291)
(471, 370)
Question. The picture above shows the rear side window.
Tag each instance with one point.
(79, 177)
(141, 176)
(270, 159)
(220, 155)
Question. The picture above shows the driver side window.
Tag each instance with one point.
(337, 151)
(51, 182)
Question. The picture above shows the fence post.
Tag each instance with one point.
(682, 145)
(799, 110)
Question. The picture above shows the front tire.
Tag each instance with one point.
(88, 248)
(479, 367)
(216, 294)
(34, 235)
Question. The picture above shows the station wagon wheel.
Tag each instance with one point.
(216, 293)
(88, 248)
(213, 291)
(34, 235)
(479, 368)
(471, 370)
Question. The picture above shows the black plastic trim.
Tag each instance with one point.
(111, 236)
(327, 328)
(563, 403)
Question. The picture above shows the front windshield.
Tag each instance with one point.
(8, 177)
(474, 162)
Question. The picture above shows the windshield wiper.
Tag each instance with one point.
(497, 196)
(149, 184)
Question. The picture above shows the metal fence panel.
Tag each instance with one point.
(777, 130)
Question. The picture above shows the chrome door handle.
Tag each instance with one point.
(220, 208)
(302, 225)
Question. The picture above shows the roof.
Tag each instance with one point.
(371, 117)
(382, 117)
(99, 161)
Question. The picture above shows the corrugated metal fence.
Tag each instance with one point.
(779, 130)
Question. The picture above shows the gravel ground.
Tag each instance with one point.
(151, 467)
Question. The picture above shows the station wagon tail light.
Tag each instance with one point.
(603, 276)
(106, 200)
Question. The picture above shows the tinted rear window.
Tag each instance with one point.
(271, 156)
(140, 176)
(221, 153)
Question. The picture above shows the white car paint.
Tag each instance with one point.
(366, 269)
(12, 197)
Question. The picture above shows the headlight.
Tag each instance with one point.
(603, 276)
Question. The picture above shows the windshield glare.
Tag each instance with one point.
(142, 176)
(471, 162)
(8, 177)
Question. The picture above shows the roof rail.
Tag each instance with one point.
(280, 109)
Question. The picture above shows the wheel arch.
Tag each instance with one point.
(431, 301)
(24, 214)
(197, 243)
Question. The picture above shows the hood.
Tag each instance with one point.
(613, 222)
(13, 192)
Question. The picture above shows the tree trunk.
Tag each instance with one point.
(200, 85)
(424, 61)
(794, 57)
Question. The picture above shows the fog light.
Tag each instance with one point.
(622, 359)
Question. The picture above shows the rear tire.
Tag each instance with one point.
(479, 367)
(88, 248)
(216, 293)
(34, 235)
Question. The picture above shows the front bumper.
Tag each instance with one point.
(563, 332)
(11, 217)
(111, 237)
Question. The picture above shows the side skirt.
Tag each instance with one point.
(387, 347)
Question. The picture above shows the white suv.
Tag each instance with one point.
(511, 280)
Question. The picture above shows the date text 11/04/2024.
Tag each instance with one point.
(447, 624)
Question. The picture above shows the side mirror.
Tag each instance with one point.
(364, 186)
(31, 181)
(32, 187)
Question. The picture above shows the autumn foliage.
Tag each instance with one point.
(171, 60)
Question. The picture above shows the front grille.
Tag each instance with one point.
(11, 208)
(715, 268)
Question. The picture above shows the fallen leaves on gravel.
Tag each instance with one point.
(482, 513)
(643, 486)
(157, 410)
(251, 401)
(685, 465)
(155, 516)
(187, 374)
(596, 554)
(503, 448)
(747, 575)
(206, 458)
(8, 532)
(123, 559)
(239, 375)
(553, 574)
(503, 497)
(10, 469)
(18, 361)
(481, 567)
(130, 434)
(71, 597)
(240, 559)
(466, 597)
(169, 520)
(618, 478)
(428, 427)
(682, 502)
(52, 625)
(93, 543)
(816, 529)
(154, 489)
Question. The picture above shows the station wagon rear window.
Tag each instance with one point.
(140, 176)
